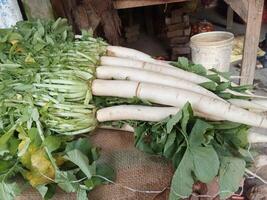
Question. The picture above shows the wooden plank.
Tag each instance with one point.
(230, 18)
(240, 7)
(122, 4)
(255, 8)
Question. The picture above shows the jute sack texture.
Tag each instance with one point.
(134, 169)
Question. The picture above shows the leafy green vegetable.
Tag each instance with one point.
(79, 159)
(216, 84)
(8, 191)
(196, 147)
(231, 173)
(45, 86)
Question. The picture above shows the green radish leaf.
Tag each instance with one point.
(197, 135)
(231, 173)
(179, 153)
(214, 77)
(174, 119)
(198, 69)
(8, 191)
(187, 115)
(224, 125)
(52, 142)
(225, 75)
(102, 171)
(225, 95)
(14, 36)
(182, 180)
(35, 137)
(42, 189)
(183, 61)
(206, 163)
(81, 194)
(241, 88)
(79, 159)
(223, 86)
(209, 85)
(66, 181)
(5, 165)
(51, 191)
(170, 145)
(82, 144)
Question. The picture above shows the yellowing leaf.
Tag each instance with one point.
(40, 168)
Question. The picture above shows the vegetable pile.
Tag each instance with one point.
(55, 87)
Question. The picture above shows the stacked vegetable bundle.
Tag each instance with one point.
(45, 94)
(54, 87)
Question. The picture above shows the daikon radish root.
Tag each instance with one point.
(140, 113)
(247, 94)
(127, 73)
(254, 137)
(124, 52)
(260, 102)
(171, 96)
(170, 70)
(247, 105)
(135, 112)
(125, 127)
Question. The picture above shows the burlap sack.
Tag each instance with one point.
(134, 169)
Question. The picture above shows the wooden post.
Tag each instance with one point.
(254, 18)
(230, 18)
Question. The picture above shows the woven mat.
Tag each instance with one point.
(134, 169)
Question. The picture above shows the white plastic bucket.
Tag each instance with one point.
(212, 49)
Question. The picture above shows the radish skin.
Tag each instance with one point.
(250, 95)
(167, 70)
(134, 112)
(124, 52)
(140, 113)
(177, 97)
(126, 73)
(247, 104)
(125, 127)
(261, 102)
(254, 137)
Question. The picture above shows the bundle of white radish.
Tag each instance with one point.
(129, 74)
(164, 84)
(195, 118)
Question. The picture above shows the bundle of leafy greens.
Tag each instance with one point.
(45, 93)
(46, 99)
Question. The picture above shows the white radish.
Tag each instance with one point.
(247, 94)
(254, 137)
(167, 70)
(177, 97)
(125, 127)
(139, 112)
(247, 105)
(127, 73)
(261, 102)
(135, 112)
(124, 52)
